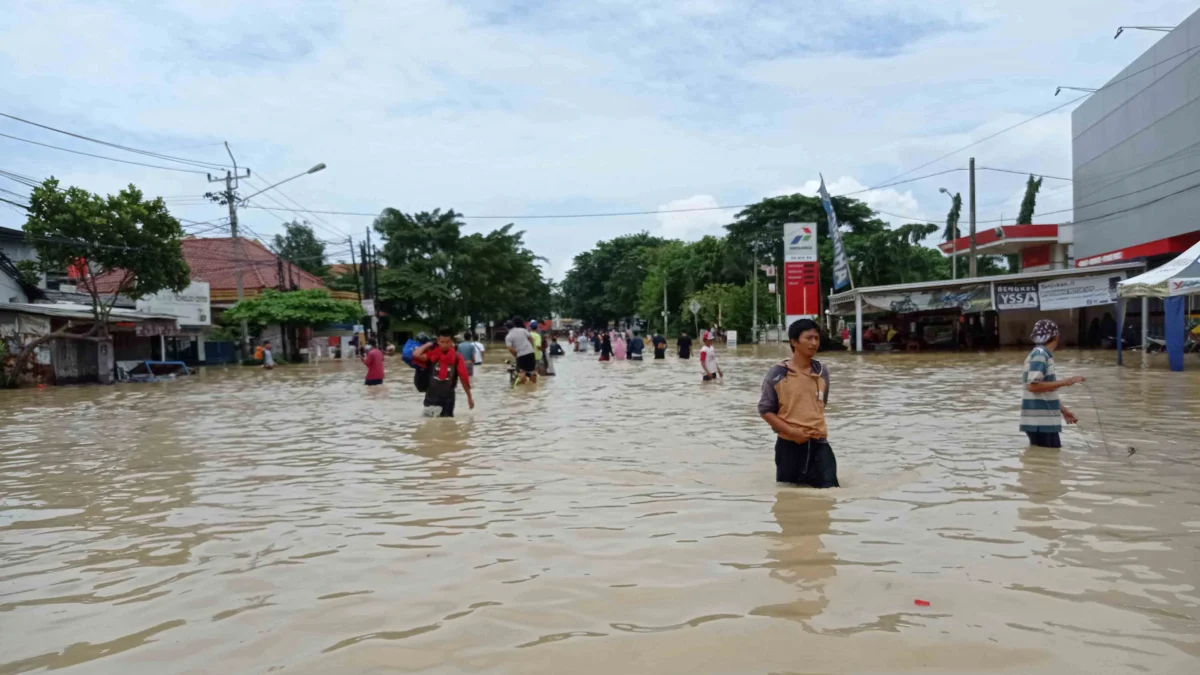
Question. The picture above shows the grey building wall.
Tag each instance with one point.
(12, 245)
(1136, 149)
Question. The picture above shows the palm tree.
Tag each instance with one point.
(950, 233)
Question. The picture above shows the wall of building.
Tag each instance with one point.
(1015, 326)
(1134, 144)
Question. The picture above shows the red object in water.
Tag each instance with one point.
(921, 603)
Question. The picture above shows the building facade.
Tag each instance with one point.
(1136, 157)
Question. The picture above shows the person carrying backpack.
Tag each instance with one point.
(446, 368)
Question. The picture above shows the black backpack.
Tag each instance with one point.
(421, 379)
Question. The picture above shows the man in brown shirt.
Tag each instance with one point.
(794, 394)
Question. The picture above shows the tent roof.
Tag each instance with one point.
(1181, 276)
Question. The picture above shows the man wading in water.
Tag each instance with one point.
(446, 369)
(1041, 412)
(794, 394)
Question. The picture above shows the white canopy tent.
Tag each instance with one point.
(1181, 276)
(1171, 282)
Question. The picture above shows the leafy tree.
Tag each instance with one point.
(342, 277)
(605, 284)
(951, 232)
(121, 244)
(29, 272)
(312, 307)
(730, 305)
(1029, 202)
(436, 275)
(300, 246)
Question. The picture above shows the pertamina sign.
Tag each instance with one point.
(801, 271)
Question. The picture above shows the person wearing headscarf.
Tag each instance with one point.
(618, 344)
(605, 348)
(1042, 413)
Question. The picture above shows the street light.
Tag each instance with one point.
(953, 237)
(319, 167)
(1160, 29)
(1090, 91)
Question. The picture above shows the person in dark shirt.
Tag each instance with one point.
(605, 348)
(660, 346)
(685, 346)
(636, 345)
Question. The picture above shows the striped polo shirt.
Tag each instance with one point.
(1040, 412)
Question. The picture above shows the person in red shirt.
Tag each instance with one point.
(373, 360)
(447, 367)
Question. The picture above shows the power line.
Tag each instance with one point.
(147, 153)
(1052, 110)
(285, 195)
(111, 159)
(1022, 173)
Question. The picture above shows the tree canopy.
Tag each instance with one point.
(312, 307)
(300, 246)
(434, 274)
(123, 239)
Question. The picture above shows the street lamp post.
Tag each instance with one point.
(232, 202)
(953, 237)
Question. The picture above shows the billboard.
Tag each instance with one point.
(191, 305)
(801, 271)
(1072, 292)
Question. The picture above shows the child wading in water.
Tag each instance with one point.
(794, 394)
(1042, 413)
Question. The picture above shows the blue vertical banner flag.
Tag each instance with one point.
(841, 264)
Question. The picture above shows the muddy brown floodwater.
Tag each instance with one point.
(619, 518)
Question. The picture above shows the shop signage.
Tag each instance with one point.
(1072, 292)
(191, 305)
(968, 299)
(1016, 296)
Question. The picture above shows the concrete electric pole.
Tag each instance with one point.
(230, 197)
(974, 271)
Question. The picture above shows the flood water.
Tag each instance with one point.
(618, 518)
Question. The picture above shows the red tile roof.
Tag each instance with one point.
(212, 259)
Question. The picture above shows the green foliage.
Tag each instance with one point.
(729, 305)
(311, 307)
(300, 246)
(605, 283)
(29, 272)
(952, 232)
(436, 275)
(1029, 202)
(132, 242)
(342, 279)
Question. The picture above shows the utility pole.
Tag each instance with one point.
(354, 266)
(231, 199)
(665, 331)
(754, 326)
(974, 271)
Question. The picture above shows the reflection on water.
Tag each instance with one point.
(620, 517)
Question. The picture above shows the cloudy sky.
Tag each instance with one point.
(518, 107)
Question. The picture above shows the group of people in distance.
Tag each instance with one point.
(792, 401)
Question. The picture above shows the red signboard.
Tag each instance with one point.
(802, 288)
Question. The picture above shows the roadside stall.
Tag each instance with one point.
(1175, 283)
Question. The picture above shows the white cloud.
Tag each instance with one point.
(691, 225)
(520, 108)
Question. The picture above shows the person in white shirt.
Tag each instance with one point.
(478, 351)
(708, 360)
(520, 345)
